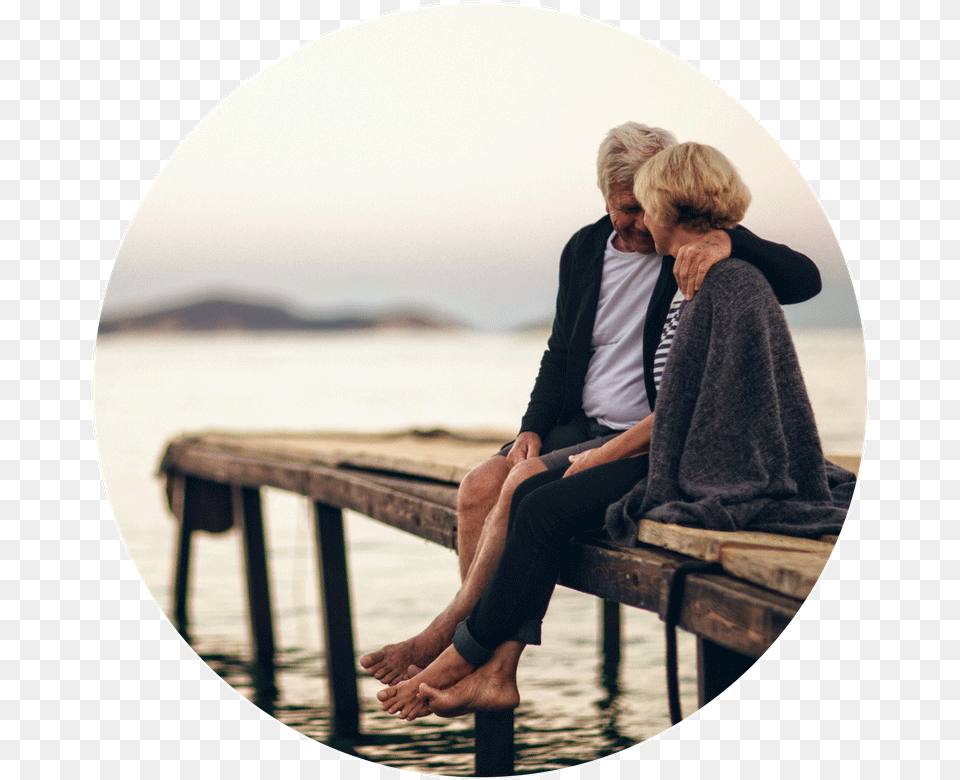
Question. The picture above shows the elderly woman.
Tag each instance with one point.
(732, 445)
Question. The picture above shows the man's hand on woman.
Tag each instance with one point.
(695, 259)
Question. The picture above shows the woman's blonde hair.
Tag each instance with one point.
(625, 149)
(694, 185)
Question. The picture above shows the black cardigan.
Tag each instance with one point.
(558, 392)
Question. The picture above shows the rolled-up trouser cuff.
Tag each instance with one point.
(468, 647)
(528, 633)
(477, 655)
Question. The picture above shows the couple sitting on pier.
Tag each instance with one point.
(639, 323)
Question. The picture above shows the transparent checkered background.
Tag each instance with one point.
(97, 96)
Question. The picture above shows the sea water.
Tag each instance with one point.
(151, 388)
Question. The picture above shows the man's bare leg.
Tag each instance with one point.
(392, 663)
(476, 498)
(492, 687)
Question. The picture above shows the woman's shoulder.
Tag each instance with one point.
(735, 274)
(734, 285)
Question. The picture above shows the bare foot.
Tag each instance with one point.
(486, 690)
(390, 665)
(402, 699)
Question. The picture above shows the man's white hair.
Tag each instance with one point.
(625, 149)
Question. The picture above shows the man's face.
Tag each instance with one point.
(627, 217)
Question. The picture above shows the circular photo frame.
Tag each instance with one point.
(339, 290)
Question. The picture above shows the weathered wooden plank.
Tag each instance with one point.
(735, 614)
(848, 462)
(786, 564)
(707, 545)
(738, 615)
(226, 467)
(631, 577)
(439, 455)
(417, 516)
(435, 492)
(345, 489)
(789, 572)
(436, 454)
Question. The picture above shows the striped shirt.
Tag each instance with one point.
(666, 338)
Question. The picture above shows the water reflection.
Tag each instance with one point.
(548, 735)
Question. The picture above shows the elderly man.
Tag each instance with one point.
(596, 375)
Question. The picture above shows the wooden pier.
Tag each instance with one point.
(737, 599)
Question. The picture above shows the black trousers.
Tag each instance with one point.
(547, 512)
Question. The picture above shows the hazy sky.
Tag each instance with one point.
(441, 157)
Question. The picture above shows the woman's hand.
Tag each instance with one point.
(587, 460)
(632, 442)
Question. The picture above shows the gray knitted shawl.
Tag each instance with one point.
(734, 443)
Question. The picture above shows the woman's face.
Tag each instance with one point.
(662, 234)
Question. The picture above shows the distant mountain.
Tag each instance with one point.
(223, 314)
(836, 306)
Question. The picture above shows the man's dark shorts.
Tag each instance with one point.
(578, 435)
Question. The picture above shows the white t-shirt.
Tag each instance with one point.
(614, 391)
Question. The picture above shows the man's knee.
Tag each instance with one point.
(481, 487)
(522, 472)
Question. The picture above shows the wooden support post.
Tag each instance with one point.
(334, 581)
(199, 505)
(610, 634)
(177, 491)
(248, 514)
(717, 669)
(493, 743)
